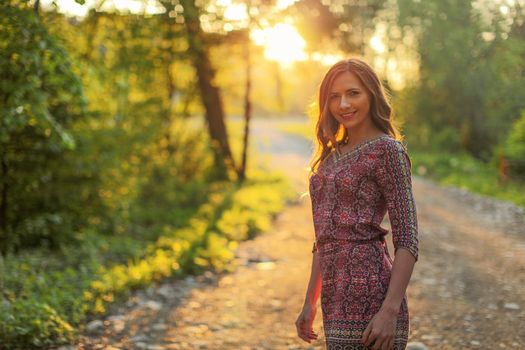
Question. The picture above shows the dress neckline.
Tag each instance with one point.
(338, 155)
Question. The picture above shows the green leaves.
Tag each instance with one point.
(37, 78)
(469, 92)
(40, 100)
(514, 147)
(67, 140)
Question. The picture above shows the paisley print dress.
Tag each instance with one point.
(351, 194)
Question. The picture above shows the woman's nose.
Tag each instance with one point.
(345, 103)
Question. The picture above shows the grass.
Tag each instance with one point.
(464, 171)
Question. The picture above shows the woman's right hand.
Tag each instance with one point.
(304, 323)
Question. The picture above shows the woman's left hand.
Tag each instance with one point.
(381, 330)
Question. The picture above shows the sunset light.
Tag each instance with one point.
(377, 44)
(185, 162)
(282, 43)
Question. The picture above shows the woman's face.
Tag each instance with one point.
(348, 101)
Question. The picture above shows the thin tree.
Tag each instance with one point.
(210, 93)
(247, 108)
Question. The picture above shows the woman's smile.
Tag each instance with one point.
(348, 115)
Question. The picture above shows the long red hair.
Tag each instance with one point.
(329, 132)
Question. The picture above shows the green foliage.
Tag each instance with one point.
(28, 323)
(467, 172)
(114, 194)
(41, 98)
(121, 141)
(514, 147)
(47, 296)
(40, 94)
(244, 220)
(470, 55)
(135, 200)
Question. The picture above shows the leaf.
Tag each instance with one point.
(67, 140)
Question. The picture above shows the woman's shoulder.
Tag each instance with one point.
(394, 151)
(389, 144)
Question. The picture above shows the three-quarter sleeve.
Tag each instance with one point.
(395, 182)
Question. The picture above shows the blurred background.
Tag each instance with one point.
(125, 143)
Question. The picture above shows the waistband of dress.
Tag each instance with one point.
(344, 242)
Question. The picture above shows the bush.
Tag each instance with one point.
(514, 148)
(47, 296)
(27, 323)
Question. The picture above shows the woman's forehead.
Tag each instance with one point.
(345, 81)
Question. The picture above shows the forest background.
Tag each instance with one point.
(124, 140)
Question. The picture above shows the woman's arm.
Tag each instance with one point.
(306, 317)
(394, 178)
(314, 285)
(381, 328)
(402, 268)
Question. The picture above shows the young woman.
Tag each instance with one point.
(360, 172)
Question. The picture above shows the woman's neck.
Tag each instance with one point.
(356, 137)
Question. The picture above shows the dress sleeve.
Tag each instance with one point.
(395, 182)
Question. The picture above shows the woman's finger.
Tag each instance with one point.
(386, 344)
(302, 332)
(308, 335)
(366, 334)
(378, 344)
(299, 326)
(302, 335)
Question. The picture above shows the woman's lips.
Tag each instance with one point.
(348, 115)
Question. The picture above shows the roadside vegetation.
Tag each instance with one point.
(48, 294)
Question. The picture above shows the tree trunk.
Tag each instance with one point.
(4, 239)
(170, 85)
(210, 94)
(247, 112)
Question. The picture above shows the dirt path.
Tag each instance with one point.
(467, 290)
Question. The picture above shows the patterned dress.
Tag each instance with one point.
(351, 194)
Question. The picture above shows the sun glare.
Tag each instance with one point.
(377, 44)
(72, 8)
(282, 43)
(236, 12)
(327, 59)
(233, 11)
(284, 4)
